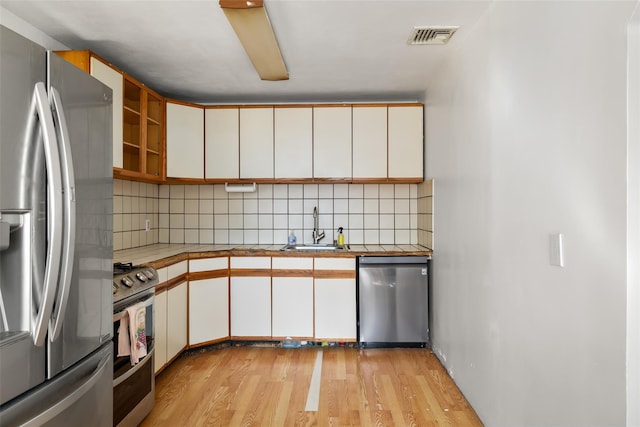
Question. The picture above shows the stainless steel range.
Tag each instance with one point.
(133, 377)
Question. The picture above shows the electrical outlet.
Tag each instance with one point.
(147, 224)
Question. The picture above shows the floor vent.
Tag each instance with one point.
(431, 35)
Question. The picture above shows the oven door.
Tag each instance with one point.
(133, 385)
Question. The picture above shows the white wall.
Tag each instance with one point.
(27, 30)
(526, 136)
(633, 225)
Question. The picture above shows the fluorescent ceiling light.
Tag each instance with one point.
(250, 22)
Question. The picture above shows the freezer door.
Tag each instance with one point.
(23, 216)
(82, 110)
(81, 396)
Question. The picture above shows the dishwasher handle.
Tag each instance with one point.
(392, 260)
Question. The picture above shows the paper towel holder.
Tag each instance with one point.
(240, 188)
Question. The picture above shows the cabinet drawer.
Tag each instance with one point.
(163, 274)
(335, 264)
(208, 264)
(251, 262)
(177, 269)
(289, 263)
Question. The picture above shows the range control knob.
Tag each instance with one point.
(149, 274)
(141, 276)
(126, 280)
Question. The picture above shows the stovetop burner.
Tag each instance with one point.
(122, 267)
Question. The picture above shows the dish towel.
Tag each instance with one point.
(137, 335)
(124, 345)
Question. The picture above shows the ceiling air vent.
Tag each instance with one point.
(431, 35)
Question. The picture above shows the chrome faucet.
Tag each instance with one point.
(316, 235)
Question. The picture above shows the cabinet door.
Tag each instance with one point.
(335, 309)
(114, 80)
(208, 310)
(293, 142)
(292, 306)
(185, 141)
(176, 320)
(251, 306)
(332, 142)
(160, 355)
(256, 142)
(132, 124)
(406, 142)
(369, 141)
(154, 134)
(222, 143)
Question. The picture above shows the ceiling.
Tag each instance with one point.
(335, 51)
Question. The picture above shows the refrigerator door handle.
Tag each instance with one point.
(69, 205)
(68, 401)
(40, 107)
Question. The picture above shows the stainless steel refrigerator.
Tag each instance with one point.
(55, 240)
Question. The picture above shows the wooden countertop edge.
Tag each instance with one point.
(173, 259)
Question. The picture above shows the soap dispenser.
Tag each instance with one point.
(292, 238)
(340, 237)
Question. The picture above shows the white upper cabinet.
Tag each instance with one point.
(293, 142)
(256, 142)
(406, 142)
(222, 143)
(369, 141)
(114, 80)
(332, 142)
(185, 141)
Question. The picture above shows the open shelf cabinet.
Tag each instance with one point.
(143, 131)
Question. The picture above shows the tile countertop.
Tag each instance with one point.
(153, 254)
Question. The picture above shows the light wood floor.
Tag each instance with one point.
(261, 386)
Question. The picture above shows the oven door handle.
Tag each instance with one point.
(136, 368)
(119, 315)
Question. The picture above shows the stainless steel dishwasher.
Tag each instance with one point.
(393, 301)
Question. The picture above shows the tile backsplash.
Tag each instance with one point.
(371, 214)
(134, 203)
(425, 214)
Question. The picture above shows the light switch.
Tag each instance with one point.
(556, 249)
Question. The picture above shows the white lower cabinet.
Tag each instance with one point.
(292, 299)
(335, 308)
(251, 306)
(208, 310)
(170, 325)
(176, 320)
(335, 299)
(160, 324)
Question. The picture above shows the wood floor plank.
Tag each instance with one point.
(258, 386)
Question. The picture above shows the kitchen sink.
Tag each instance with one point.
(315, 247)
